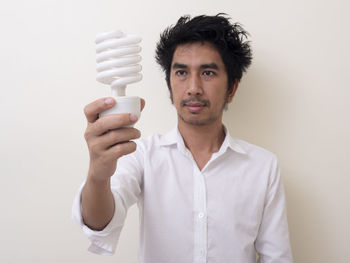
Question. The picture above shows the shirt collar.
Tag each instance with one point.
(232, 143)
(174, 137)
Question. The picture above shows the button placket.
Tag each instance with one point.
(200, 227)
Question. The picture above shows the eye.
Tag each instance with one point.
(208, 73)
(180, 73)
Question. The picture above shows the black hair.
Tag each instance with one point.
(229, 39)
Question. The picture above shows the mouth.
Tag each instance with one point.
(194, 106)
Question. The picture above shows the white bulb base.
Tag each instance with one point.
(124, 104)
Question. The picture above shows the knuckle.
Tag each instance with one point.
(86, 110)
(119, 120)
(102, 124)
(118, 149)
(86, 135)
(125, 148)
(124, 119)
(89, 132)
(114, 135)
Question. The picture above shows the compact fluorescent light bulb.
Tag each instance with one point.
(117, 65)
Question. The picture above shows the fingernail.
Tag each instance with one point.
(133, 117)
(108, 101)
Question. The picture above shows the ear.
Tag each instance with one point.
(233, 91)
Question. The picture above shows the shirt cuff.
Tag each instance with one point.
(103, 242)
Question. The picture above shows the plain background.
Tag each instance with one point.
(293, 101)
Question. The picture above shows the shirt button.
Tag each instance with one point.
(200, 215)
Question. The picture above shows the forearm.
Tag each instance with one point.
(108, 139)
(97, 204)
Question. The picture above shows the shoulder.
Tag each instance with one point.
(261, 162)
(254, 152)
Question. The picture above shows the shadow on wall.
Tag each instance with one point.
(306, 216)
(264, 106)
(272, 109)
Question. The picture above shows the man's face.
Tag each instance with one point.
(198, 83)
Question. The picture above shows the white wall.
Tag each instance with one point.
(293, 101)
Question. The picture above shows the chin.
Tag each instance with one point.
(197, 121)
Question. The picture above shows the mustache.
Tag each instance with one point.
(193, 99)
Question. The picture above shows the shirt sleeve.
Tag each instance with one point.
(272, 243)
(126, 185)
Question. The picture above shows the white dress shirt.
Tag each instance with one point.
(227, 212)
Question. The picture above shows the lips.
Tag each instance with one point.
(194, 107)
(194, 104)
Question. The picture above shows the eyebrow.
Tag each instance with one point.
(210, 65)
(179, 65)
(203, 66)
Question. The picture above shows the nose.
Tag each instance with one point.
(194, 85)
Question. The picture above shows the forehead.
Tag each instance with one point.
(197, 53)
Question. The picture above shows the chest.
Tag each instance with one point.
(227, 188)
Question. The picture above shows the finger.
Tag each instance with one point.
(93, 109)
(143, 102)
(118, 136)
(111, 122)
(121, 149)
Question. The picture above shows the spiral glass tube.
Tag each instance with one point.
(117, 60)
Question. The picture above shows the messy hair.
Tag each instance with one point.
(229, 39)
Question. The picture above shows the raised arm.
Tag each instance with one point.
(108, 139)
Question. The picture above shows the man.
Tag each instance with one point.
(203, 195)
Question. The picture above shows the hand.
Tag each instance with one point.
(108, 138)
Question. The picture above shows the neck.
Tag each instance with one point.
(202, 138)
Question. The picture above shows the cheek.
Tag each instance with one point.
(177, 100)
(176, 93)
(218, 99)
(174, 97)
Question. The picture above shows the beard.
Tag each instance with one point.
(204, 122)
(205, 103)
(197, 99)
